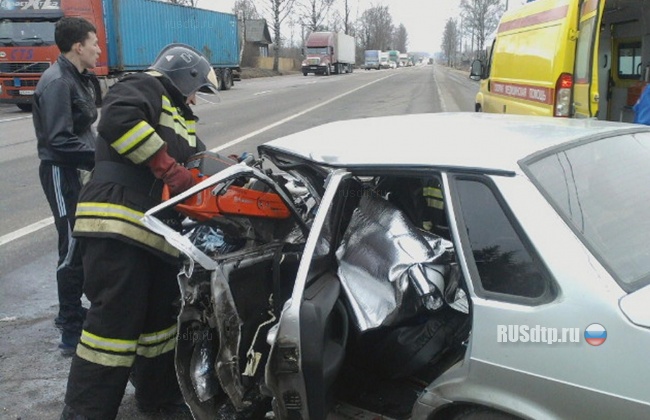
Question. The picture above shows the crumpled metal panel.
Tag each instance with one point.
(390, 270)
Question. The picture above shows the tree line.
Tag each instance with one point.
(291, 21)
(465, 37)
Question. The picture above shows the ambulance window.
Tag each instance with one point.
(584, 51)
(629, 60)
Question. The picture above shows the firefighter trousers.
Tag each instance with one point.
(131, 324)
(61, 186)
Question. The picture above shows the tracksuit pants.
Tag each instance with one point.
(131, 324)
(61, 186)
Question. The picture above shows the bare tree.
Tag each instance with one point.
(401, 38)
(375, 29)
(481, 18)
(313, 13)
(347, 25)
(450, 38)
(245, 10)
(276, 11)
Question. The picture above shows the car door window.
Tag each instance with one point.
(503, 264)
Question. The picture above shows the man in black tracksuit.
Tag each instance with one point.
(146, 129)
(63, 113)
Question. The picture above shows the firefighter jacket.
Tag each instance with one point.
(63, 113)
(141, 113)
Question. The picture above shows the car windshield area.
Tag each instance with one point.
(316, 51)
(601, 189)
(26, 33)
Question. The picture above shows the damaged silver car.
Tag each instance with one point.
(500, 270)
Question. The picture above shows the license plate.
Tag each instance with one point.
(26, 92)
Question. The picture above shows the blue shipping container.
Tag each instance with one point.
(136, 30)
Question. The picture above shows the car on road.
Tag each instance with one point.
(496, 267)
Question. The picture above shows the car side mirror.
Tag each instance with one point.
(476, 70)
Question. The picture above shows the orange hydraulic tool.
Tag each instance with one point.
(206, 205)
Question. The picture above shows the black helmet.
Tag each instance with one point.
(187, 68)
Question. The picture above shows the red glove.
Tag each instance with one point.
(177, 177)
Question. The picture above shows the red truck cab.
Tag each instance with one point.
(27, 46)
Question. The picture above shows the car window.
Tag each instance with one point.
(503, 262)
(601, 189)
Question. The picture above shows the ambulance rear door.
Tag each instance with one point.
(585, 74)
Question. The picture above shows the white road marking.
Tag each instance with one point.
(268, 127)
(5, 239)
(443, 105)
(50, 220)
(15, 119)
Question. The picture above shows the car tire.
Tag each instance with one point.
(25, 107)
(304, 73)
(480, 413)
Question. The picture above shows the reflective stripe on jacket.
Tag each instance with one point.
(140, 115)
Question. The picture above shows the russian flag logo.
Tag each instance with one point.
(595, 334)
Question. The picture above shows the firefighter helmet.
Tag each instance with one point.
(187, 68)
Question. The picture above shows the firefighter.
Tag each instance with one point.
(145, 130)
(63, 113)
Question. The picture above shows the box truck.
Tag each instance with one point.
(371, 59)
(130, 33)
(567, 58)
(328, 52)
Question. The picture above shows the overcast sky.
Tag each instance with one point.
(424, 19)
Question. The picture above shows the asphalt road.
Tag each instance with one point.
(32, 372)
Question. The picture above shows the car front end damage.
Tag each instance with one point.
(286, 313)
(230, 284)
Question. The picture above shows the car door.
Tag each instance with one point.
(585, 90)
(308, 343)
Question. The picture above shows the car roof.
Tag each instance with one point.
(455, 139)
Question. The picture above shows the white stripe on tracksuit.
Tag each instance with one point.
(60, 203)
(68, 255)
(58, 193)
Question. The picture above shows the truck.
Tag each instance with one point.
(372, 59)
(329, 53)
(383, 60)
(567, 59)
(393, 58)
(130, 33)
(405, 60)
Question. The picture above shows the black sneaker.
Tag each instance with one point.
(67, 350)
(69, 414)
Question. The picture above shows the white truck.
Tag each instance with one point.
(329, 52)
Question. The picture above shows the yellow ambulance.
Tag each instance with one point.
(567, 58)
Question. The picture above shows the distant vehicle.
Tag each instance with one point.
(504, 275)
(383, 60)
(562, 58)
(372, 59)
(329, 53)
(120, 27)
(404, 60)
(393, 57)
